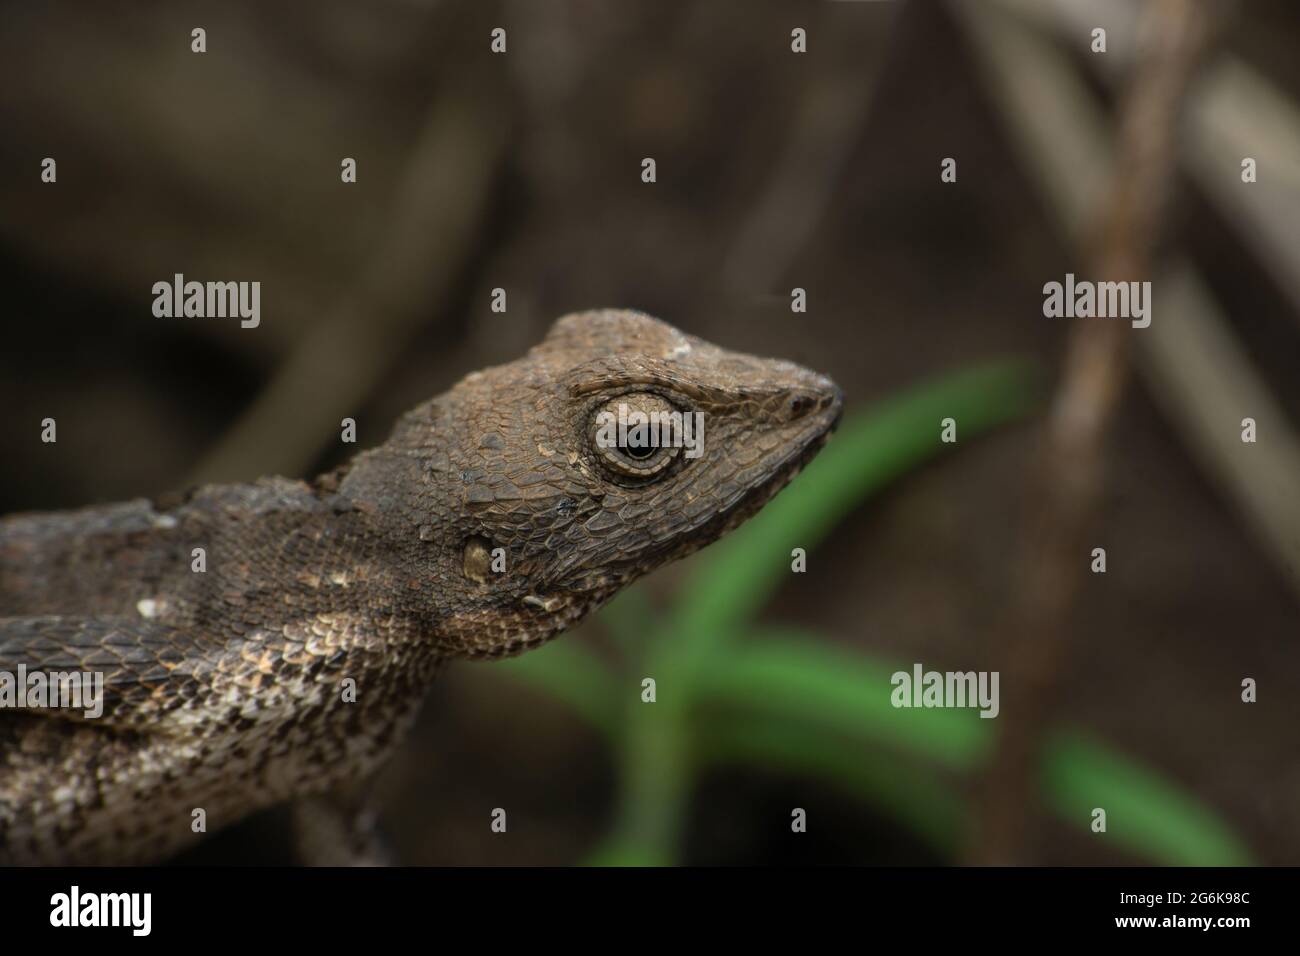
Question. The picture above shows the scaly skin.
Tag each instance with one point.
(225, 690)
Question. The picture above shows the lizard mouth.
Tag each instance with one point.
(783, 472)
(821, 424)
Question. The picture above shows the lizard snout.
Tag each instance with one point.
(817, 396)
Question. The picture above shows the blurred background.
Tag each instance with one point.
(775, 170)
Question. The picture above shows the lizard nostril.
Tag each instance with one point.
(801, 405)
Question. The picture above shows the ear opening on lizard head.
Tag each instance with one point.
(478, 559)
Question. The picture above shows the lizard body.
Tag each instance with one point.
(222, 686)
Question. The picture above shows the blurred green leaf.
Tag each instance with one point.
(805, 680)
(569, 670)
(1144, 813)
(813, 690)
(789, 702)
(571, 674)
(630, 617)
(927, 805)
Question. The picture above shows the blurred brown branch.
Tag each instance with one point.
(1195, 364)
(435, 214)
(1233, 111)
(1071, 468)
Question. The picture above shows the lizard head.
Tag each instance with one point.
(616, 445)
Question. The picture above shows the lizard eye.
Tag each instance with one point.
(636, 435)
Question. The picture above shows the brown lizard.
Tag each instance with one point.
(286, 659)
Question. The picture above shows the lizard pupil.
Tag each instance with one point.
(639, 452)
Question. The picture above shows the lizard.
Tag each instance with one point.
(491, 520)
